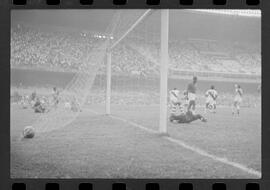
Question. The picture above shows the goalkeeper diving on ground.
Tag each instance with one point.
(178, 109)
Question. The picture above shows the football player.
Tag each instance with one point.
(174, 101)
(237, 99)
(39, 106)
(187, 117)
(211, 97)
(191, 90)
(55, 97)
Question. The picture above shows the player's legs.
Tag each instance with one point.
(235, 107)
(214, 107)
(189, 117)
(178, 118)
(191, 105)
(238, 108)
(206, 106)
(194, 106)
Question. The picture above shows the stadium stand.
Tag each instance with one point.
(63, 51)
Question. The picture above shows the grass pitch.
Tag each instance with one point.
(98, 146)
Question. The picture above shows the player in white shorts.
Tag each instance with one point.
(211, 99)
(237, 99)
(174, 101)
(174, 96)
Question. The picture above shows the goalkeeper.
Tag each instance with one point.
(39, 106)
(187, 117)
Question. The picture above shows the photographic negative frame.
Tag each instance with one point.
(132, 182)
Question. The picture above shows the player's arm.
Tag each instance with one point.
(207, 93)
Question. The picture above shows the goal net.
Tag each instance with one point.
(133, 93)
(66, 106)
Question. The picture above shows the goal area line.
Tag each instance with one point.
(184, 145)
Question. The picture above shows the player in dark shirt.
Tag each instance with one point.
(38, 106)
(191, 90)
(187, 117)
(33, 96)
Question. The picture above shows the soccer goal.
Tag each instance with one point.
(120, 69)
(143, 39)
(134, 76)
(65, 107)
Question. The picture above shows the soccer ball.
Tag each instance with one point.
(28, 132)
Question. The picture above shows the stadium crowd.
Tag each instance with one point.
(64, 51)
(31, 48)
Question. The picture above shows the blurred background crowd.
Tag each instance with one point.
(64, 51)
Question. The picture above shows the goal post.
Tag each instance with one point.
(162, 62)
(109, 61)
(108, 82)
(164, 70)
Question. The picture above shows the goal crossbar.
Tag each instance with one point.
(131, 28)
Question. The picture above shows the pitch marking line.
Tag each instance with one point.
(193, 149)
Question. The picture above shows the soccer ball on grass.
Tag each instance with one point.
(28, 132)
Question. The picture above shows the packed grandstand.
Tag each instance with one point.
(63, 51)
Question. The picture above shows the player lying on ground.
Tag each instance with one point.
(39, 106)
(211, 99)
(186, 117)
(179, 112)
(237, 99)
